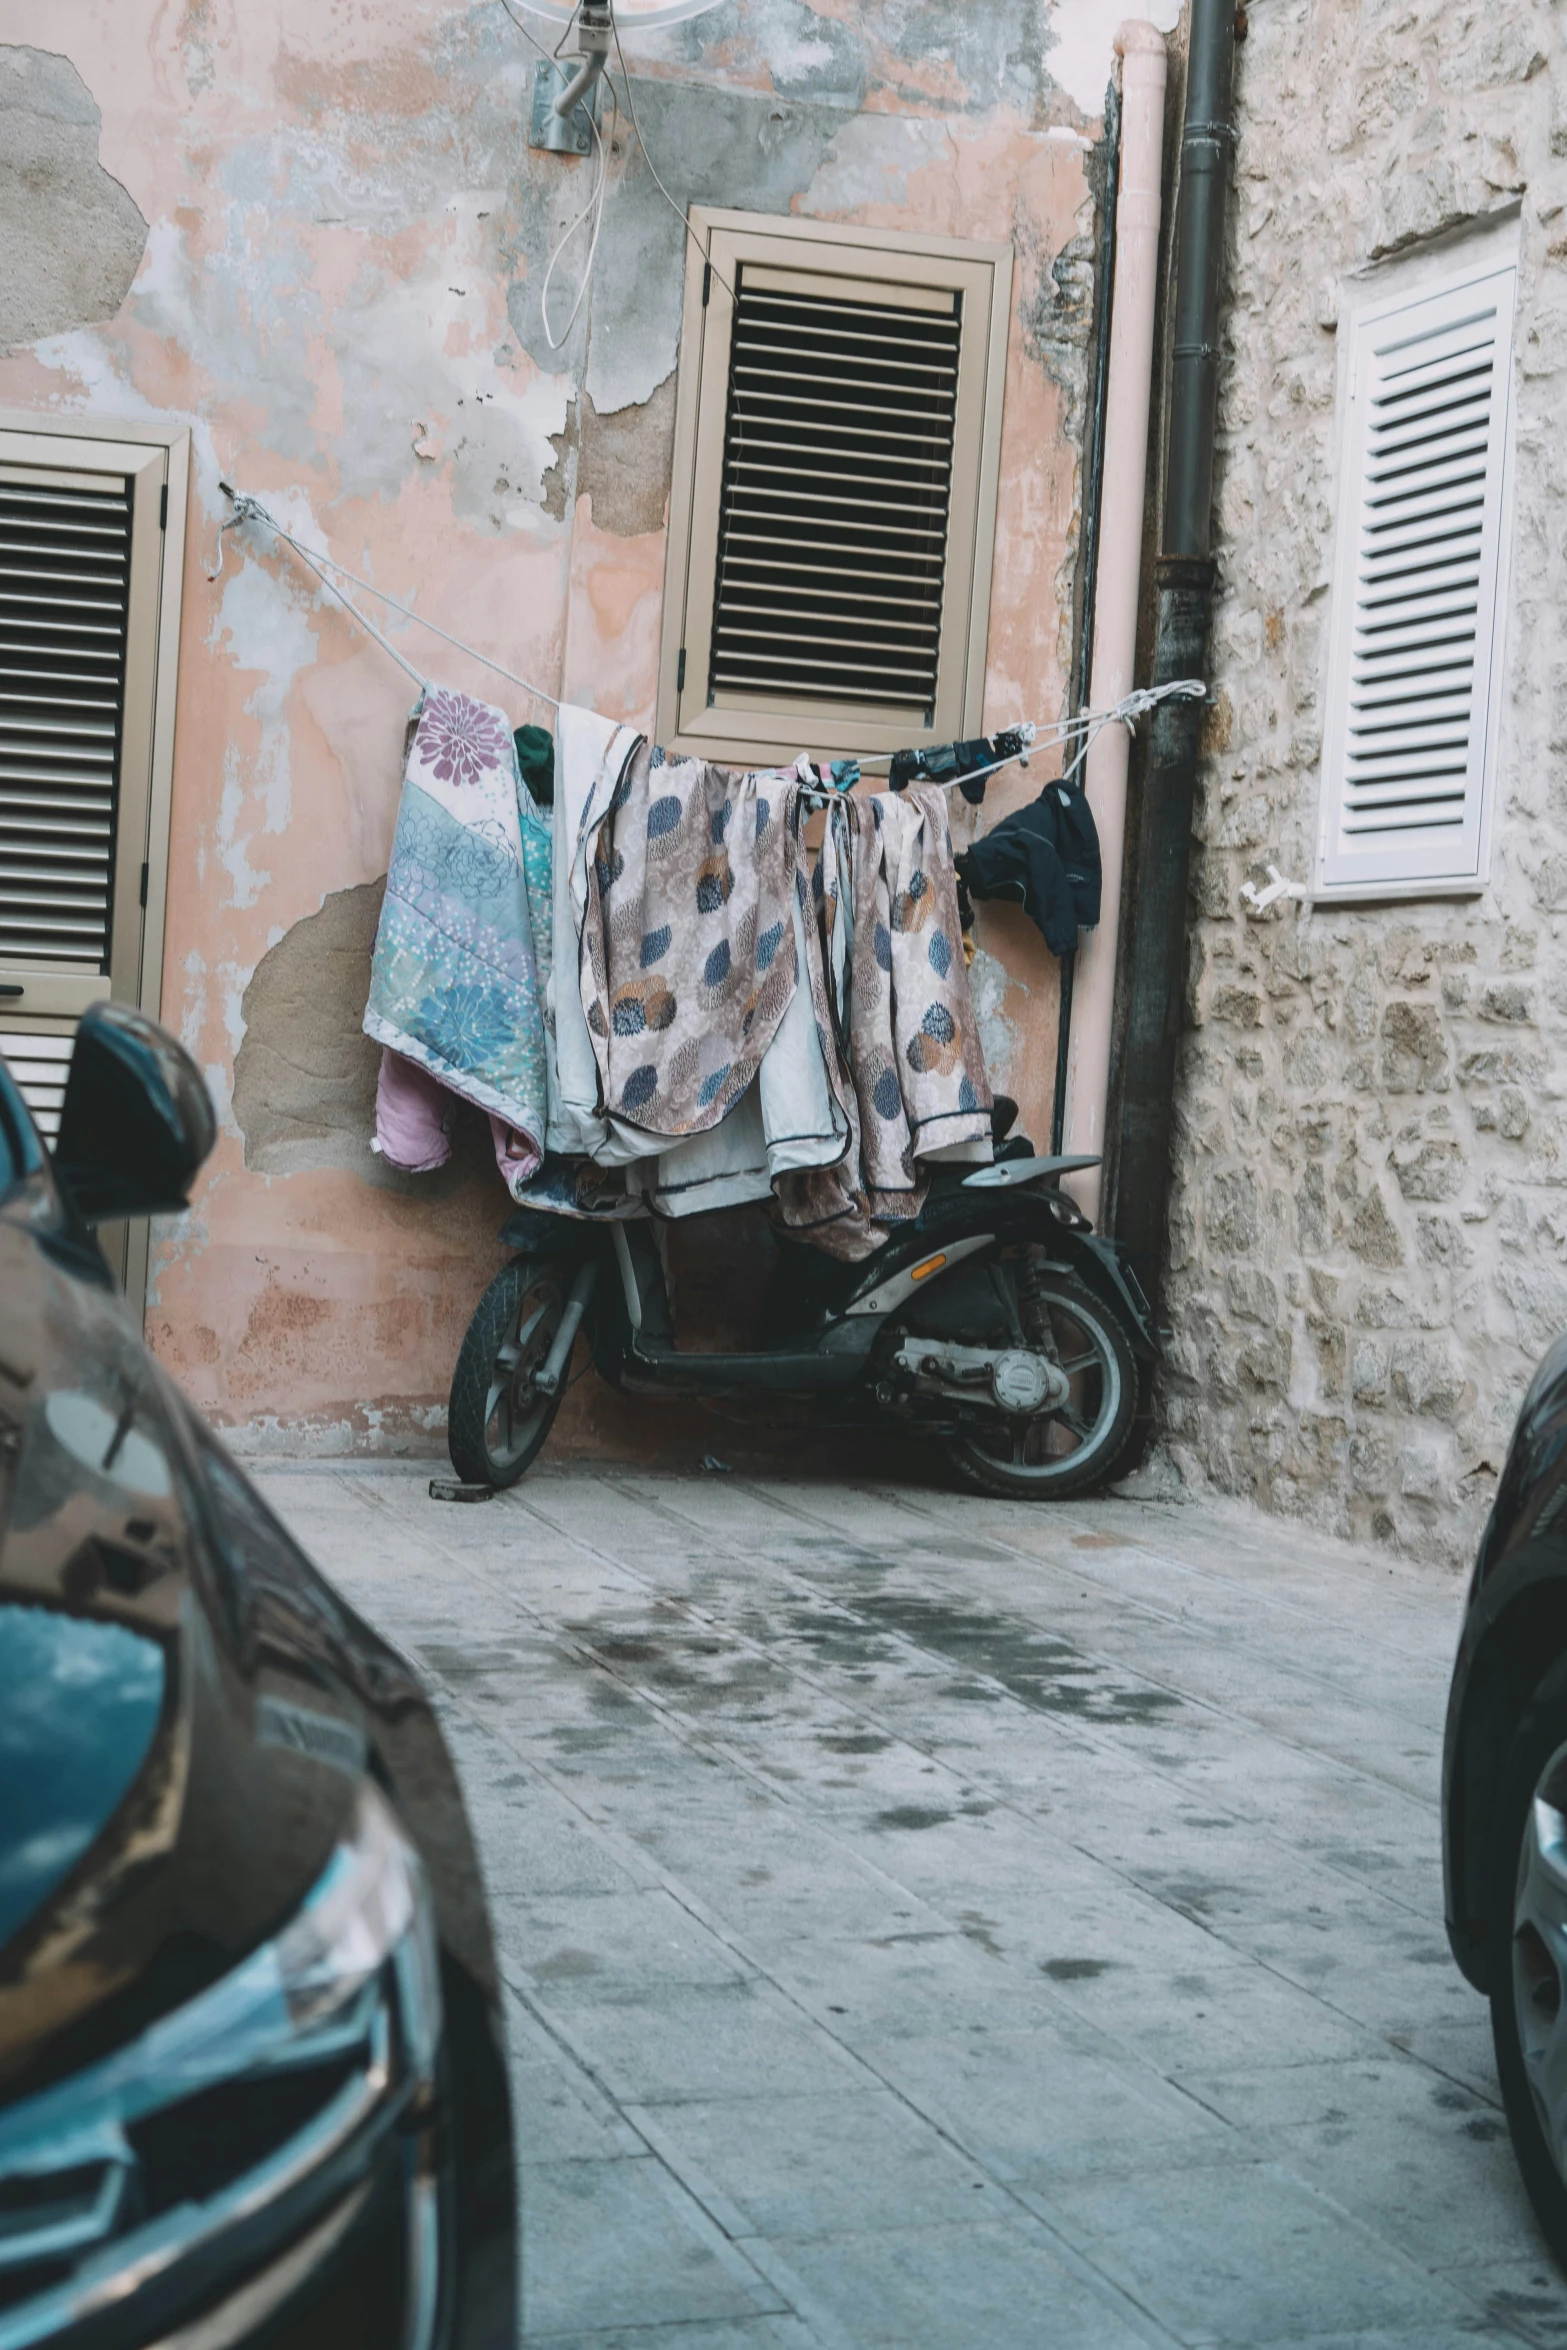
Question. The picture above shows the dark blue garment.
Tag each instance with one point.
(1045, 858)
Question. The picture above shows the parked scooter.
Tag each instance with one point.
(999, 1323)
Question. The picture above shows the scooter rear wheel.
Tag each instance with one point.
(497, 1421)
(1088, 1441)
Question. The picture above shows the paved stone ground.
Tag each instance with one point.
(932, 1922)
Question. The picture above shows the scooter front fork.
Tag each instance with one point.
(552, 1371)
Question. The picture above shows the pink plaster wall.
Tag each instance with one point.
(344, 233)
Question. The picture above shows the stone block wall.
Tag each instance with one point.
(1368, 1234)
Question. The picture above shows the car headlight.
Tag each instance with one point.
(369, 1906)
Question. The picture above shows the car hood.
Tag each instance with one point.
(179, 1739)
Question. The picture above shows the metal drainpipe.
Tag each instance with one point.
(1116, 578)
(1083, 666)
(1156, 963)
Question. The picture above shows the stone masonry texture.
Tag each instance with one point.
(1368, 1229)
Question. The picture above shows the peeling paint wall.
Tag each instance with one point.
(345, 241)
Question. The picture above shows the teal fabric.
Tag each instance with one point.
(454, 984)
(536, 761)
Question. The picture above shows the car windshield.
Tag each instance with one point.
(21, 1152)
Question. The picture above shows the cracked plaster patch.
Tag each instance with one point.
(72, 237)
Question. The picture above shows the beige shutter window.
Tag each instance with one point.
(832, 514)
(91, 530)
(1410, 741)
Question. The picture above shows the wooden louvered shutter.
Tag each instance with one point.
(84, 606)
(833, 510)
(1417, 625)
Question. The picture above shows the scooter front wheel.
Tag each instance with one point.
(497, 1420)
(1082, 1444)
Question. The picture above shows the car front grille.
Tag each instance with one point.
(198, 2165)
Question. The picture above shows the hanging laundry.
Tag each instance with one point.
(896, 988)
(914, 1049)
(688, 956)
(794, 1116)
(537, 823)
(590, 754)
(453, 982)
(790, 1118)
(413, 1116)
(1044, 857)
(536, 763)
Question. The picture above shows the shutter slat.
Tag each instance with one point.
(64, 607)
(1443, 541)
(1441, 639)
(1452, 360)
(1388, 489)
(837, 466)
(1417, 599)
(1450, 416)
(1415, 692)
(40, 1066)
(1400, 611)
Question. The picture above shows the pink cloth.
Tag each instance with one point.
(413, 1123)
(515, 1154)
(413, 1115)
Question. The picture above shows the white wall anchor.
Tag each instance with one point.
(1259, 900)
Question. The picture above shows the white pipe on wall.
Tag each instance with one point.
(1129, 393)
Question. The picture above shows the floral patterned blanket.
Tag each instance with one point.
(454, 984)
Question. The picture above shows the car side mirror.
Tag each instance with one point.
(137, 1121)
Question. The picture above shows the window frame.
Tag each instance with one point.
(1444, 269)
(826, 250)
(156, 458)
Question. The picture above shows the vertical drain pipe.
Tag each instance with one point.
(1093, 491)
(1157, 957)
(1115, 584)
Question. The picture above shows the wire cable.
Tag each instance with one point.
(680, 211)
(595, 206)
(1088, 723)
(595, 203)
(249, 509)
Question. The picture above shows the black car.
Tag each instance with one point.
(252, 2070)
(1504, 1789)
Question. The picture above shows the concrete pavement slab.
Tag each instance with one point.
(616, 2243)
(937, 1921)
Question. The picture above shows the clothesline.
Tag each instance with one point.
(1088, 723)
(249, 509)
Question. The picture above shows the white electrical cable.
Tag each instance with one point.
(595, 206)
(595, 203)
(249, 509)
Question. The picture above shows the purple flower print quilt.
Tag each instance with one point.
(454, 982)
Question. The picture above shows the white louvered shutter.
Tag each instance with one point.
(833, 511)
(1417, 617)
(81, 559)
